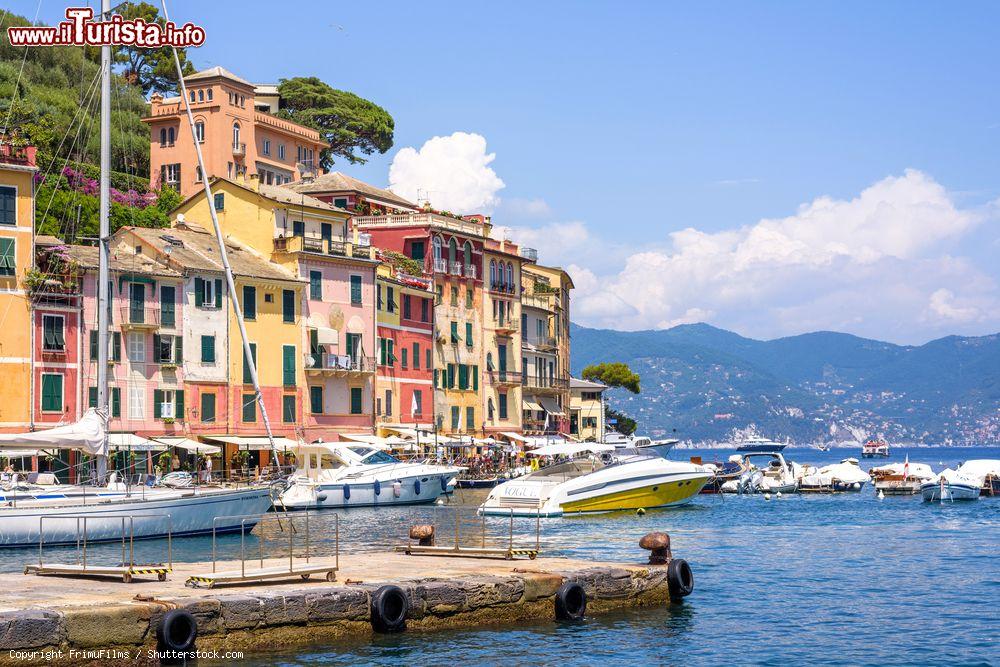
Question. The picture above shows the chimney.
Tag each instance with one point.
(255, 182)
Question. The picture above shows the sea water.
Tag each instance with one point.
(843, 578)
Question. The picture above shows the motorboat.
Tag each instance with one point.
(844, 476)
(722, 472)
(640, 442)
(951, 485)
(875, 449)
(760, 444)
(778, 475)
(987, 471)
(900, 479)
(354, 474)
(596, 477)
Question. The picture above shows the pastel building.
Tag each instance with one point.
(17, 228)
(238, 137)
(586, 410)
(501, 339)
(308, 240)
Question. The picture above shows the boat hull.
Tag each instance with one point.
(936, 492)
(411, 491)
(184, 514)
(663, 494)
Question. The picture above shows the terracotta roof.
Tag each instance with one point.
(86, 256)
(577, 383)
(286, 195)
(336, 181)
(46, 240)
(212, 72)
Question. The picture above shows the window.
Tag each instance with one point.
(340, 202)
(424, 310)
(208, 349)
(450, 376)
(418, 402)
(417, 250)
(249, 302)
(288, 409)
(114, 346)
(454, 332)
(405, 361)
(388, 402)
(353, 345)
(463, 377)
(197, 174)
(170, 175)
(201, 95)
(390, 297)
(452, 251)
(168, 295)
(220, 201)
(437, 248)
(489, 409)
(468, 334)
(468, 297)
(266, 148)
(470, 419)
(316, 285)
(416, 356)
(493, 274)
(429, 364)
(288, 305)
(52, 333)
(468, 254)
(288, 365)
(502, 404)
(355, 289)
(8, 205)
(170, 136)
(510, 277)
(378, 297)
(208, 293)
(163, 136)
(209, 94)
(52, 392)
(356, 399)
(168, 404)
(246, 367)
(249, 408)
(199, 131)
(387, 352)
(236, 135)
(281, 151)
(407, 310)
(116, 400)
(208, 407)
(136, 402)
(454, 417)
(316, 400)
(167, 349)
(454, 295)
(137, 347)
(299, 228)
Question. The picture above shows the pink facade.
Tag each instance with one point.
(56, 351)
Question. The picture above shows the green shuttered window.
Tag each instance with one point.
(8, 256)
(52, 392)
(246, 367)
(356, 400)
(208, 408)
(288, 305)
(288, 365)
(355, 289)
(208, 349)
(316, 400)
(249, 408)
(288, 409)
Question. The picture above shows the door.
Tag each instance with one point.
(502, 362)
(137, 303)
(354, 348)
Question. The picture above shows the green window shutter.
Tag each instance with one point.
(249, 302)
(381, 351)
(157, 404)
(436, 377)
(392, 352)
(316, 400)
(8, 256)
(178, 350)
(249, 408)
(156, 349)
(451, 376)
(288, 365)
(288, 409)
(463, 376)
(470, 419)
(288, 305)
(355, 289)
(218, 292)
(356, 402)
(116, 347)
(208, 407)
(475, 378)
(167, 312)
(416, 356)
(52, 393)
(314, 341)
(430, 362)
(316, 285)
(179, 404)
(454, 332)
(208, 349)
(468, 334)
(454, 417)
(8, 205)
(93, 345)
(405, 361)
(116, 402)
(199, 292)
(92, 397)
(246, 367)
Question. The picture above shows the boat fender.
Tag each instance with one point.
(347, 491)
(177, 631)
(444, 483)
(416, 486)
(389, 608)
(680, 579)
(378, 487)
(571, 602)
(397, 488)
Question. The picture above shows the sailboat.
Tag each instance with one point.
(116, 510)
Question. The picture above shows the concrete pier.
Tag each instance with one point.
(47, 615)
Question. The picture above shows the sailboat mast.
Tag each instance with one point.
(103, 296)
(223, 254)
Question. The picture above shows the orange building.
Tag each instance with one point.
(238, 136)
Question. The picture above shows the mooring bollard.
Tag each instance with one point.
(659, 547)
(424, 533)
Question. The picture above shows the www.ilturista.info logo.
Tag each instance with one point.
(81, 30)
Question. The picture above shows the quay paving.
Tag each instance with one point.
(52, 612)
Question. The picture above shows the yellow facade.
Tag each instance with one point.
(586, 407)
(17, 247)
(269, 330)
(501, 363)
(386, 380)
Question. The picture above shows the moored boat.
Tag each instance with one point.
(986, 472)
(722, 472)
(640, 442)
(844, 476)
(777, 476)
(758, 444)
(950, 485)
(900, 479)
(875, 449)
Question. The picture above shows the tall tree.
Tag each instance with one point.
(150, 69)
(349, 124)
(614, 374)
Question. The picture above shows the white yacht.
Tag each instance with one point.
(640, 442)
(756, 443)
(354, 474)
(597, 477)
(951, 485)
(777, 475)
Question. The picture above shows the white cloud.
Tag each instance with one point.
(527, 208)
(876, 265)
(453, 172)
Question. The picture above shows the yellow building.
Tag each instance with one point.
(586, 410)
(501, 341)
(17, 218)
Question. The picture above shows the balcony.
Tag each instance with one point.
(455, 268)
(503, 288)
(140, 318)
(323, 246)
(440, 266)
(432, 220)
(504, 378)
(23, 156)
(325, 363)
(470, 271)
(542, 302)
(545, 385)
(239, 149)
(506, 327)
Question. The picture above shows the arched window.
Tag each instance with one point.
(489, 361)
(452, 250)
(236, 135)
(201, 95)
(199, 131)
(209, 94)
(468, 253)
(197, 174)
(489, 408)
(192, 96)
(493, 273)
(170, 136)
(510, 276)
(437, 247)
(163, 136)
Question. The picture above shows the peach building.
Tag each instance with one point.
(238, 136)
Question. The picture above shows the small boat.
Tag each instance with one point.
(987, 471)
(875, 449)
(950, 485)
(480, 483)
(777, 476)
(759, 444)
(354, 474)
(640, 442)
(844, 476)
(722, 472)
(900, 479)
(596, 477)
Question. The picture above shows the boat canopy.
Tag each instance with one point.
(572, 449)
(88, 435)
(392, 442)
(915, 470)
(980, 469)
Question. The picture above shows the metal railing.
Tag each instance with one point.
(279, 517)
(143, 316)
(504, 377)
(434, 220)
(472, 537)
(239, 148)
(325, 361)
(535, 382)
(455, 268)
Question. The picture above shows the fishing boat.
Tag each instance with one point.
(875, 449)
(640, 442)
(950, 485)
(596, 477)
(900, 479)
(350, 474)
(778, 475)
(986, 471)
(844, 476)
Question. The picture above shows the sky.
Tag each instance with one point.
(770, 168)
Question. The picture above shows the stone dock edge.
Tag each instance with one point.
(250, 619)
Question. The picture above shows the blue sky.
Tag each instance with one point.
(621, 123)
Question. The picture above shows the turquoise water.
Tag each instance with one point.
(843, 578)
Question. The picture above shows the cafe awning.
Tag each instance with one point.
(531, 405)
(192, 446)
(513, 436)
(133, 442)
(550, 406)
(327, 336)
(20, 453)
(254, 442)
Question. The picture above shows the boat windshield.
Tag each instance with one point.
(379, 457)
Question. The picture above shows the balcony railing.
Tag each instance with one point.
(322, 246)
(506, 324)
(503, 288)
(538, 301)
(440, 266)
(140, 317)
(470, 271)
(544, 382)
(20, 155)
(498, 377)
(434, 220)
(239, 148)
(455, 268)
(325, 361)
